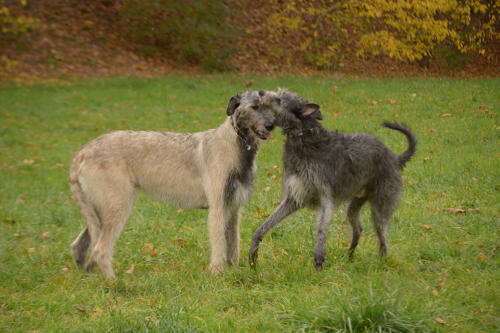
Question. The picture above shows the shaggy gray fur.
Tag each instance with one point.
(323, 168)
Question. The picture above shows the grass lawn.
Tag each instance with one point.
(443, 269)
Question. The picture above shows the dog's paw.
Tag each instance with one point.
(318, 263)
(216, 269)
(90, 266)
(253, 254)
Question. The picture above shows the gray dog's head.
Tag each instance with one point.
(290, 110)
(250, 116)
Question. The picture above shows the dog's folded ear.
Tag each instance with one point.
(311, 109)
(234, 102)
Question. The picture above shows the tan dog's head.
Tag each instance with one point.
(250, 116)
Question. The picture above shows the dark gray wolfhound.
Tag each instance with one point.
(324, 168)
(213, 169)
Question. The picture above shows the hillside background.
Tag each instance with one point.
(58, 38)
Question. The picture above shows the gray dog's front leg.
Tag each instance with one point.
(286, 207)
(324, 215)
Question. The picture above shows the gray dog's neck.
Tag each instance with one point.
(305, 128)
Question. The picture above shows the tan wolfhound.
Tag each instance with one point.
(213, 169)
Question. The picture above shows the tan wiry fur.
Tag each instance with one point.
(187, 170)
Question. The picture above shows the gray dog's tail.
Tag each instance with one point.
(412, 142)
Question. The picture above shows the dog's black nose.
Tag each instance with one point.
(269, 126)
(262, 93)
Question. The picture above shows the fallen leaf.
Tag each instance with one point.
(456, 210)
(82, 309)
(31, 250)
(426, 159)
(426, 227)
(474, 210)
(22, 198)
(446, 115)
(413, 95)
(29, 162)
(45, 235)
(435, 292)
(131, 269)
(482, 257)
(153, 320)
(474, 179)
(261, 212)
(66, 269)
(180, 242)
(180, 210)
(440, 321)
(10, 221)
(267, 189)
(149, 246)
(334, 88)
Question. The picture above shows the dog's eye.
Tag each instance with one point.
(255, 107)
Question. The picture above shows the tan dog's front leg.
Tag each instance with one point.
(233, 238)
(216, 229)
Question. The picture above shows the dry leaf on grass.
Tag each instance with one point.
(180, 242)
(440, 321)
(131, 269)
(456, 210)
(482, 257)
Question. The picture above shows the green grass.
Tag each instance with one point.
(442, 272)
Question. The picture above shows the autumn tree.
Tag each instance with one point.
(322, 32)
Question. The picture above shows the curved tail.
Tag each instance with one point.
(412, 142)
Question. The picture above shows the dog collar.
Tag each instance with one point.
(236, 129)
(308, 131)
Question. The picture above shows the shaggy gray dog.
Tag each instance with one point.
(323, 168)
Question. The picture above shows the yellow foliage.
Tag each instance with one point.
(409, 30)
(12, 25)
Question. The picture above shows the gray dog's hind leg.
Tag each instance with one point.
(285, 208)
(353, 211)
(324, 216)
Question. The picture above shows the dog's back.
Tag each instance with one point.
(160, 163)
